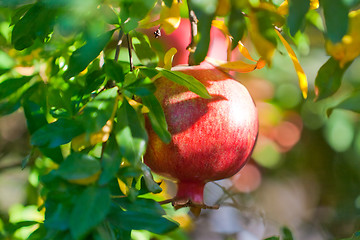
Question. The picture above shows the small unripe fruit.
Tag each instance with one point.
(211, 138)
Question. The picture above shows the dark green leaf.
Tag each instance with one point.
(58, 219)
(35, 119)
(297, 12)
(104, 231)
(143, 205)
(272, 238)
(130, 133)
(11, 85)
(142, 47)
(237, 25)
(336, 19)
(133, 220)
(90, 209)
(35, 24)
(111, 161)
(265, 20)
(287, 235)
(57, 133)
(98, 111)
(148, 179)
(79, 166)
(205, 12)
(168, 3)
(114, 70)
(81, 58)
(157, 118)
(188, 81)
(39, 233)
(328, 79)
(142, 87)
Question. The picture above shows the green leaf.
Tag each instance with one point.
(81, 58)
(351, 103)
(111, 161)
(130, 133)
(133, 220)
(157, 117)
(188, 81)
(98, 111)
(11, 85)
(143, 205)
(37, 23)
(336, 19)
(142, 47)
(105, 231)
(114, 70)
(329, 77)
(205, 13)
(35, 119)
(297, 12)
(148, 179)
(133, 11)
(79, 166)
(57, 133)
(286, 233)
(236, 25)
(142, 87)
(90, 209)
(58, 218)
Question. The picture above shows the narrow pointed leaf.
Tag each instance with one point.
(188, 81)
(328, 79)
(299, 70)
(130, 133)
(157, 117)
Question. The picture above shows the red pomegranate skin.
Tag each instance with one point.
(211, 138)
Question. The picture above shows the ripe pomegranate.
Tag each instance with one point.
(211, 138)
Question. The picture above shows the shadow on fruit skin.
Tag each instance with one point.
(184, 114)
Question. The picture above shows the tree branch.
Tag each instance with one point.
(117, 51)
(10, 166)
(193, 32)
(130, 54)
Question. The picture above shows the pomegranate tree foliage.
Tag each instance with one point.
(81, 101)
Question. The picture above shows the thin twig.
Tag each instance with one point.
(10, 166)
(130, 54)
(166, 201)
(193, 32)
(117, 51)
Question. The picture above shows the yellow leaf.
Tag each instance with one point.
(238, 66)
(223, 7)
(349, 47)
(243, 50)
(169, 18)
(299, 71)
(168, 58)
(123, 187)
(264, 47)
(86, 181)
(221, 26)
